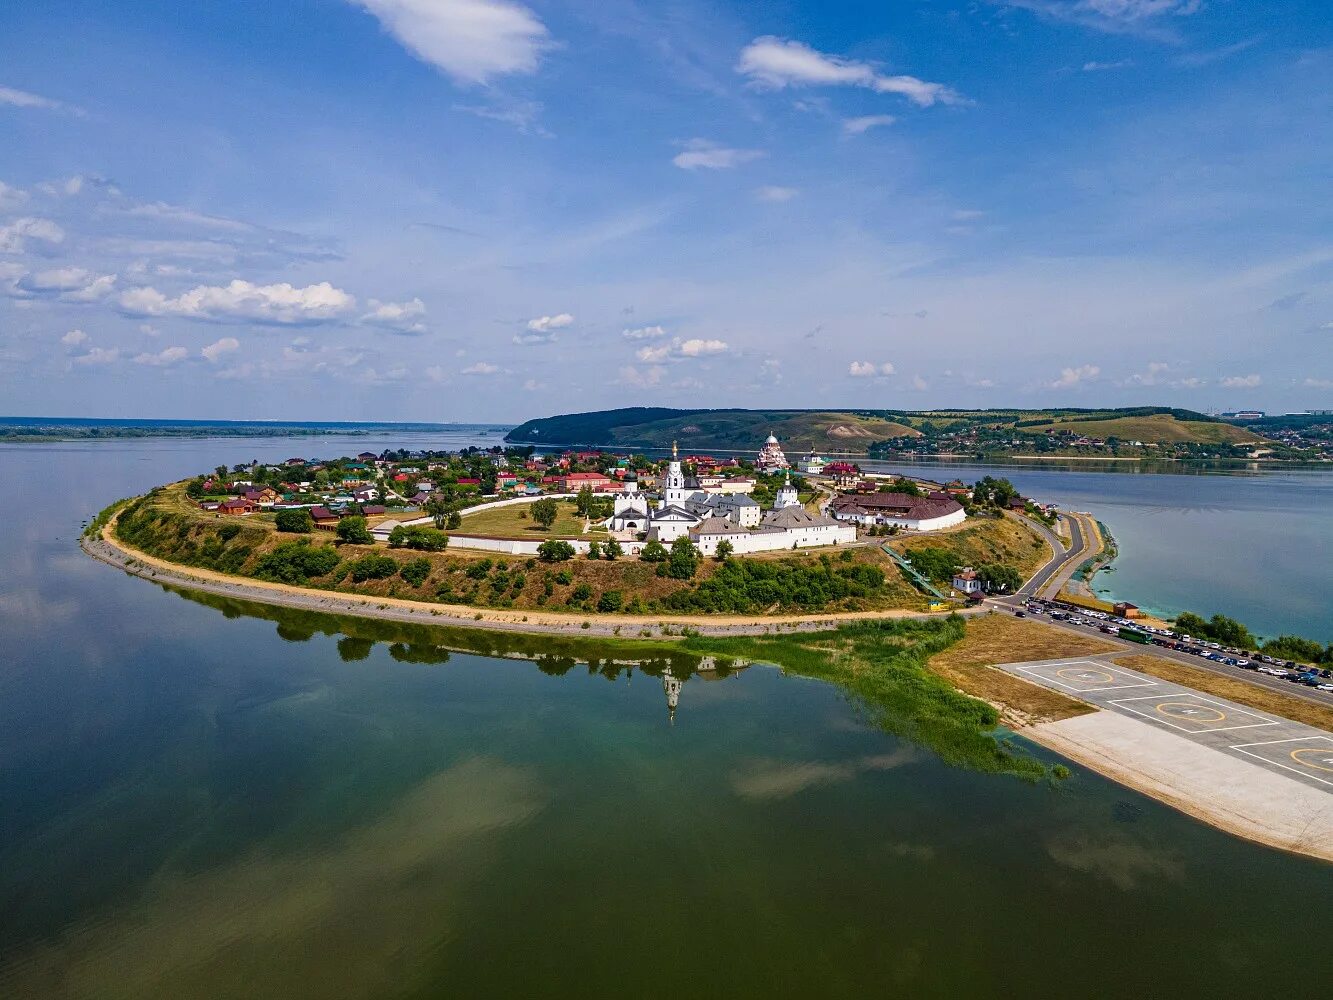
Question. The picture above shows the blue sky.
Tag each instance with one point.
(487, 209)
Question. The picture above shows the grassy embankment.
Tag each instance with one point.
(1157, 428)
(981, 541)
(167, 525)
(887, 667)
(1234, 689)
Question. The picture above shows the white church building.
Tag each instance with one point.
(708, 520)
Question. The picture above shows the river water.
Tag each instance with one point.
(201, 798)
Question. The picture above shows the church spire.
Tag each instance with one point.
(675, 452)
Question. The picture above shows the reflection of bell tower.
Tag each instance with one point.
(671, 684)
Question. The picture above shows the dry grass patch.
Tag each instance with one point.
(970, 666)
(985, 540)
(1233, 689)
(517, 522)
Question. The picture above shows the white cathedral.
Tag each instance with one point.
(709, 519)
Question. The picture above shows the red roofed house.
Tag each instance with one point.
(575, 481)
(237, 507)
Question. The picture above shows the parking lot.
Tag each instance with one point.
(1292, 749)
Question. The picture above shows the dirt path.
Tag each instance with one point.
(115, 553)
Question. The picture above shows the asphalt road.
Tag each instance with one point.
(1062, 565)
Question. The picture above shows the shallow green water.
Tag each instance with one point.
(208, 799)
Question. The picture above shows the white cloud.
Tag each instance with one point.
(1241, 382)
(98, 356)
(1318, 383)
(24, 99)
(240, 301)
(543, 324)
(1102, 67)
(644, 333)
(701, 154)
(73, 284)
(774, 192)
(482, 368)
(777, 63)
(397, 317)
(542, 330)
(163, 358)
(470, 40)
(919, 384)
(1194, 60)
(14, 237)
(1070, 377)
(858, 126)
(215, 351)
(532, 385)
(678, 349)
(74, 338)
(1113, 16)
(697, 348)
(868, 369)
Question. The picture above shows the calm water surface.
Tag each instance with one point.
(201, 798)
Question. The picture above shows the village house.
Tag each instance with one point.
(237, 506)
(903, 510)
(966, 581)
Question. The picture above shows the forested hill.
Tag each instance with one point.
(741, 430)
(863, 431)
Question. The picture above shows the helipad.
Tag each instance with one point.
(1278, 745)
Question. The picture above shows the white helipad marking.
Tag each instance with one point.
(1167, 699)
(1286, 767)
(1063, 668)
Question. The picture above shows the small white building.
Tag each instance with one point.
(966, 581)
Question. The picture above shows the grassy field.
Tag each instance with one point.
(747, 429)
(1161, 428)
(998, 638)
(984, 540)
(1234, 689)
(517, 522)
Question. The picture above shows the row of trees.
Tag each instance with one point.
(1230, 632)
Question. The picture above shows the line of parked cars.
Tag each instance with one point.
(1149, 635)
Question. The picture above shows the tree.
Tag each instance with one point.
(999, 579)
(684, 559)
(934, 563)
(438, 508)
(455, 521)
(353, 531)
(555, 550)
(545, 511)
(196, 488)
(902, 485)
(612, 550)
(611, 600)
(583, 502)
(296, 522)
(724, 550)
(654, 552)
(594, 550)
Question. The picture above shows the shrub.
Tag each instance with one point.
(555, 550)
(421, 538)
(296, 522)
(594, 548)
(479, 569)
(353, 531)
(416, 571)
(564, 578)
(612, 549)
(296, 562)
(372, 568)
(229, 531)
(611, 600)
(654, 552)
(581, 593)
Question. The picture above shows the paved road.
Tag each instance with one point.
(1056, 573)
(1279, 745)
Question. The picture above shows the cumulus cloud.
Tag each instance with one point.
(241, 301)
(472, 41)
(1070, 377)
(215, 351)
(702, 154)
(864, 123)
(697, 348)
(644, 333)
(868, 369)
(777, 63)
(482, 368)
(397, 317)
(74, 338)
(73, 284)
(542, 330)
(23, 99)
(1241, 382)
(774, 192)
(11, 197)
(678, 349)
(15, 236)
(163, 358)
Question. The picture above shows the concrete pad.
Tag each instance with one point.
(1194, 713)
(1084, 676)
(1309, 756)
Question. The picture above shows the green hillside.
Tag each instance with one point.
(742, 430)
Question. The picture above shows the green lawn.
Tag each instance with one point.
(517, 522)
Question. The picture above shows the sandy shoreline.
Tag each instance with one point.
(110, 550)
